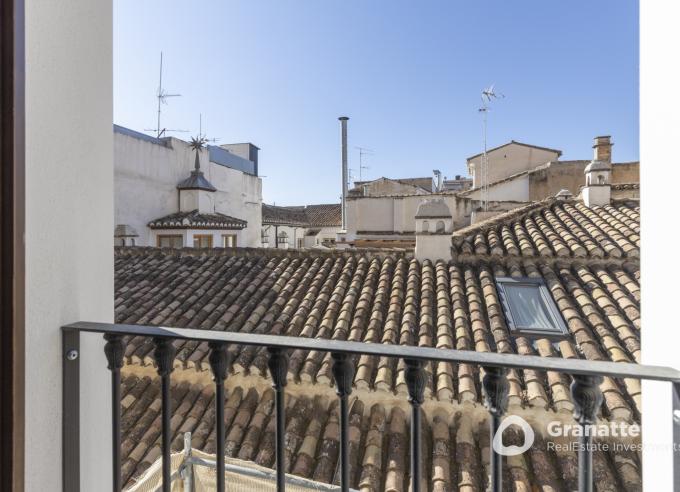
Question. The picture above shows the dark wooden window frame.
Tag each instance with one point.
(559, 330)
(202, 237)
(160, 237)
(12, 259)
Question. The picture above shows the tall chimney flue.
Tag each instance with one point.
(345, 178)
(602, 149)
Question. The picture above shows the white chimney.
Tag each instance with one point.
(434, 225)
(437, 182)
(598, 188)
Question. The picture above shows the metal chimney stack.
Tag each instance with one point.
(345, 178)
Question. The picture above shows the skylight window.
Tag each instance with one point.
(529, 309)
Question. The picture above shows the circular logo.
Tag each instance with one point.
(512, 450)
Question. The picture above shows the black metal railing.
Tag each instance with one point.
(586, 378)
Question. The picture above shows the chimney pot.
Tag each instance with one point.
(602, 149)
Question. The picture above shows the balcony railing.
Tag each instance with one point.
(586, 377)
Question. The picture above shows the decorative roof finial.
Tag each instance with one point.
(197, 143)
(197, 181)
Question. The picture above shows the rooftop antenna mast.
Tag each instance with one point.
(162, 97)
(200, 130)
(487, 95)
(362, 152)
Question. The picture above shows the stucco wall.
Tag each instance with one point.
(294, 233)
(397, 214)
(382, 187)
(550, 179)
(510, 160)
(516, 189)
(146, 177)
(69, 229)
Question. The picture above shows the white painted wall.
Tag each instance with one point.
(69, 229)
(659, 125)
(509, 160)
(515, 189)
(147, 174)
(397, 214)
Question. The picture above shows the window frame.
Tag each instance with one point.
(560, 332)
(233, 237)
(201, 237)
(160, 237)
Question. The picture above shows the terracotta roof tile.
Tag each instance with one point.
(588, 259)
(323, 215)
(196, 220)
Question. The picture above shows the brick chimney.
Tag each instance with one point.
(602, 149)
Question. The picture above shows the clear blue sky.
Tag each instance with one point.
(408, 74)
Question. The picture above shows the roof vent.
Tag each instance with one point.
(564, 194)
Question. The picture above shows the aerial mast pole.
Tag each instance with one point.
(487, 95)
(343, 136)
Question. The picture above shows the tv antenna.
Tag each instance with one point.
(200, 130)
(488, 95)
(362, 152)
(162, 97)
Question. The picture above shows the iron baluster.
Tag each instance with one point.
(343, 374)
(218, 363)
(114, 348)
(278, 368)
(415, 381)
(496, 388)
(164, 355)
(585, 391)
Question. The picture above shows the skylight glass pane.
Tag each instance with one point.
(528, 308)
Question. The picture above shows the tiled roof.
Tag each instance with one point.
(324, 215)
(274, 215)
(588, 259)
(454, 452)
(384, 301)
(554, 229)
(196, 181)
(514, 142)
(626, 186)
(196, 220)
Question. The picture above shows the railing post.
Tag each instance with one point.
(675, 387)
(114, 348)
(415, 382)
(343, 373)
(188, 471)
(496, 388)
(218, 363)
(70, 430)
(585, 391)
(278, 369)
(164, 355)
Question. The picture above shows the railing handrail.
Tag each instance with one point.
(487, 359)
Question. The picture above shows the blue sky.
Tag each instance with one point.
(408, 74)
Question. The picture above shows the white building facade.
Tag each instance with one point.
(149, 203)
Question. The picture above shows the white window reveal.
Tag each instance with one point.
(529, 309)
